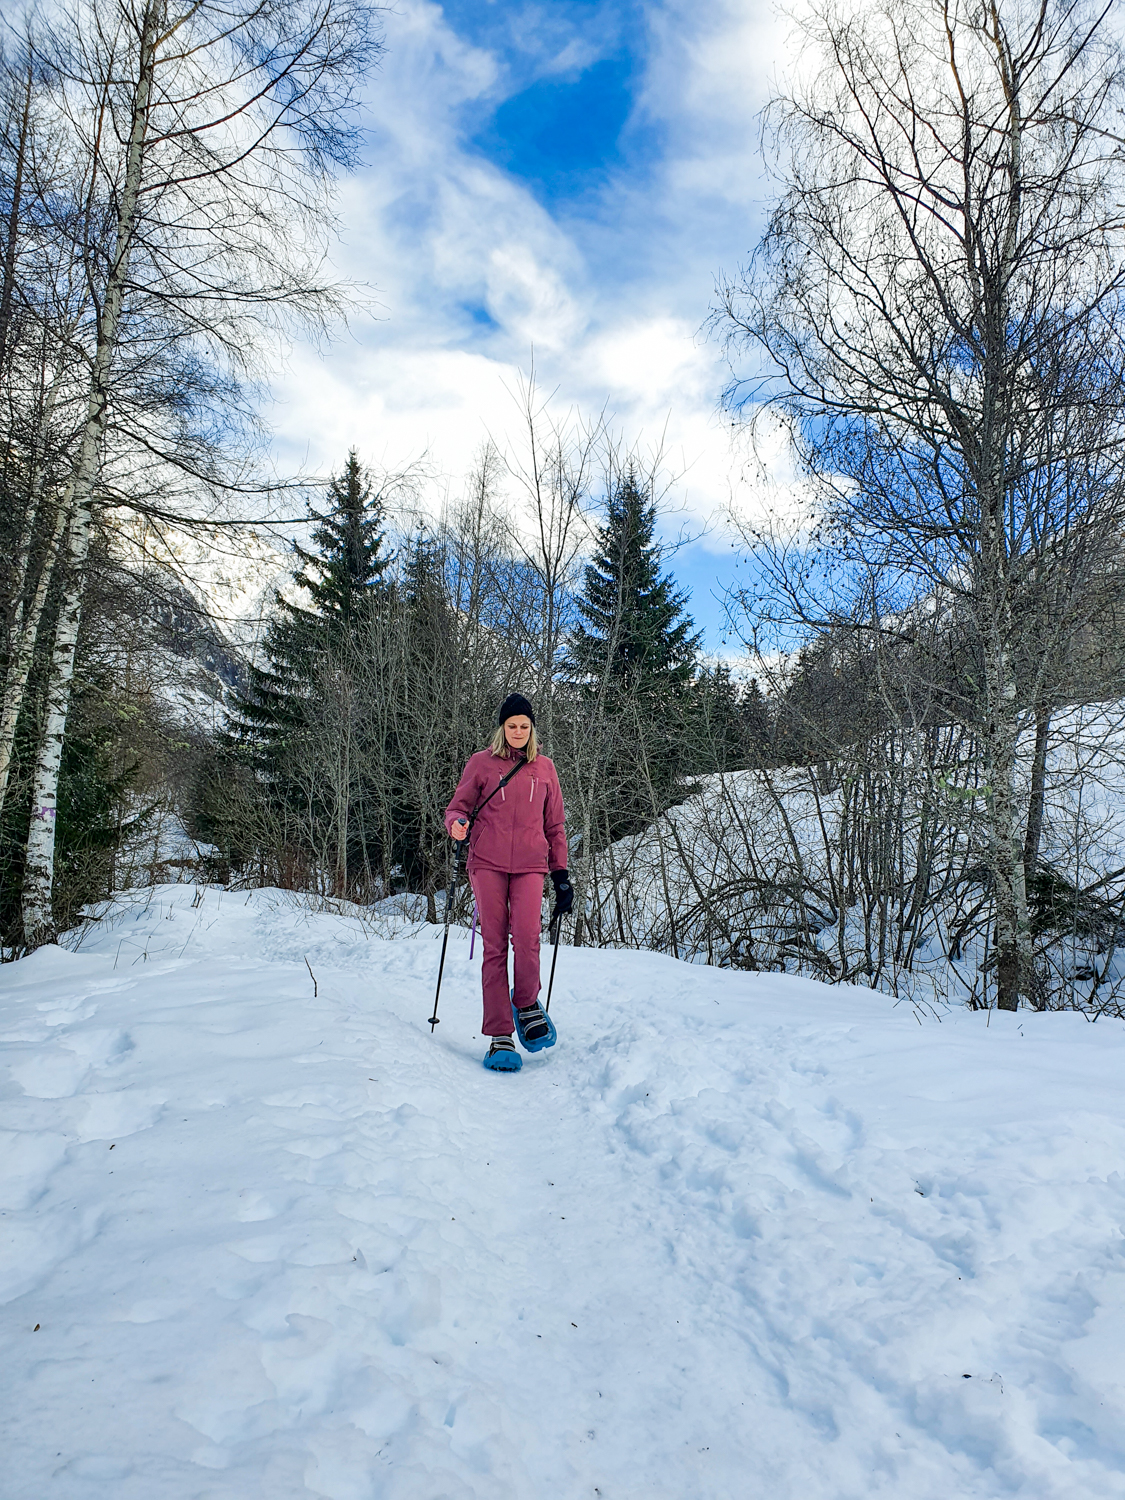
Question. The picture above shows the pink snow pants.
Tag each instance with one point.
(508, 904)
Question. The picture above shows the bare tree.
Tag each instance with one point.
(937, 307)
(38, 317)
(201, 143)
(554, 470)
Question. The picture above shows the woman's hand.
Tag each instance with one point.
(460, 829)
(564, 893)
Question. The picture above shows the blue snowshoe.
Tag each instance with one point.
(534, 1027)
(502, 1056)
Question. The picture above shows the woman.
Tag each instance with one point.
(508, 803)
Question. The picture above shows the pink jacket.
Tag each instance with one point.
(521, 829)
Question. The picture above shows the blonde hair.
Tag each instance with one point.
(499, 745)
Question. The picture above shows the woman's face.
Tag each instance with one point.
(517, 731)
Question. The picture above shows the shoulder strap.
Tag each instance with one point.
(503, 782)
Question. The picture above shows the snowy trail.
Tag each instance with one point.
(735, 1236)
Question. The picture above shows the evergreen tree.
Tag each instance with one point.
(729, 724)
(300, 725)
(344, 577)
(342, 581)
(754, 722)
(426, 716)
(633, 634)
(633, 653)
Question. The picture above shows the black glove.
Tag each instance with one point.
(564, 894)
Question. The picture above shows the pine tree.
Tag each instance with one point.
(729, 724)
(343, 583)
(426, 717)
(344, 577)
(633, 653)
(633, 634)
(299, 727)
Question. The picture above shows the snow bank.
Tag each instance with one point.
(823, 870)
(736, 1235)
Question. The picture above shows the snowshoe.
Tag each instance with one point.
(534, 1027)
(502, 1056)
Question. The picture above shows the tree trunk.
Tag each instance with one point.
(39, 875)
(23, 650)
(28, 612)
(6, 292)
(582, 875)
(1013, 932)
(1038, 790)
(343, 798)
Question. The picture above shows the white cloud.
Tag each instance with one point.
(473, 275)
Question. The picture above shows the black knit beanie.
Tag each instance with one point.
(513, 704)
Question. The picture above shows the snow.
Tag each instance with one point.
(735, 1235)
(752, 867)
(234, 572)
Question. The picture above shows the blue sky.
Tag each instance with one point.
(560, 182)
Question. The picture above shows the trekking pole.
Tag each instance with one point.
(448, 915)
(557, 925)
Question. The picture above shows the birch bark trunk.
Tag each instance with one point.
(1013, 931)
(38, 919)
(23, 649)
(29, 611)
(6, 293)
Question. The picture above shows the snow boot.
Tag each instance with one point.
(534, 1027)
(502, 1056)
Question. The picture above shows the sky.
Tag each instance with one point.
(552, 186)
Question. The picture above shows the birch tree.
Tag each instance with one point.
(203, 140)
(37, 318)
(936, 311)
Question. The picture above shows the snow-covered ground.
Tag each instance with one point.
(735, 1236)
(807, 869)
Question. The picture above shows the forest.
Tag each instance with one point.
(908, 775)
